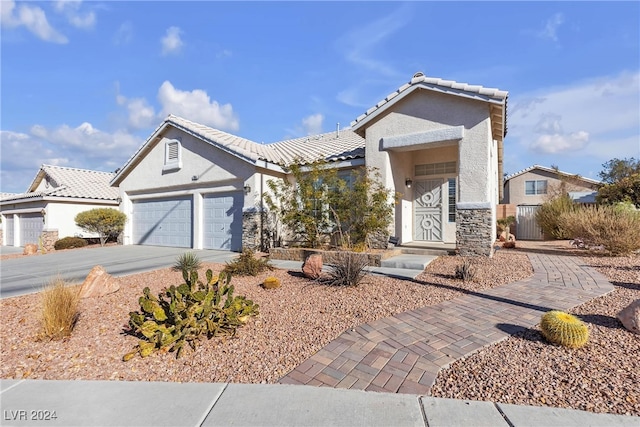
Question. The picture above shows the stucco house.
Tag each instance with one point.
(531, 187)
(436, 142)
(47, 209)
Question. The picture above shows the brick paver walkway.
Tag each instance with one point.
(403, 353)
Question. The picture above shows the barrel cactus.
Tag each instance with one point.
(564, 329)
(271, 282)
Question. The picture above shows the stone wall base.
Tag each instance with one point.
(49, 238)
(251, 230)
(474, 232)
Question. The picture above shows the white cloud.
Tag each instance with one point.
(313, 124)
(171, 42)
(71, 9)
(83, 146)
(363, 49)
(361, 46)
(598, 117)
(124, 33)
(550, 30)
(32, 18)
(558, 143)
(197, 106)
(140, 114)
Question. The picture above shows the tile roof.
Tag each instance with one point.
(550, 170)
(331, 146)
(419, 80)
(70, 183)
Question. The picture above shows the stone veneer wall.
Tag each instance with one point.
(49, 238)
(251, 238)
(474, 235)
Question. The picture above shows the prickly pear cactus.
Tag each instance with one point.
(271, 283)
(186, 313)
(564, 329)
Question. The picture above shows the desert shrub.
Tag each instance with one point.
(59, 310)
(548, 216)
(271, 283)
(465, 271)
(106, 222)
(347, 269)
(564, 329)
(187, 262)
(69, 243)
(187, 313)
(614, 228)
(247, 264)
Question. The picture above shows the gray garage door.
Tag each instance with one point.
(163, 222)
(526, 225)
(8, 231)
(223, 221)
(31, 225)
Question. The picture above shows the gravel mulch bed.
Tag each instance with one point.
(299, 318)
(602, 377)
(295, 321)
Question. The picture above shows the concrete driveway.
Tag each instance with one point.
(25, 275)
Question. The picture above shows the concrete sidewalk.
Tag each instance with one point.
(120, 403)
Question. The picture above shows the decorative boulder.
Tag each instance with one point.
(30, 249)
(312, 267)
(98, 283)
(630, 317)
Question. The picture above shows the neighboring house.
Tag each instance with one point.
(46, 211)
(531, 187)
(439, 143)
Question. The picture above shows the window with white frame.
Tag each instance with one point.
(534, 187)
(172, 155)
(452, 199)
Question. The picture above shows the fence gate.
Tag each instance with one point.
(526, 225)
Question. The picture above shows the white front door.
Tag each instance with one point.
(427, 210)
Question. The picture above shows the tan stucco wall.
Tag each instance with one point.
(475, 154)
(514, 190)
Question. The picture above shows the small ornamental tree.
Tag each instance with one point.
(302, 205)
(319, 203)
(105, 222)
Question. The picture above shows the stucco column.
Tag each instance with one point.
(475, 209)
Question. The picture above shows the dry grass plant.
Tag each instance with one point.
(59, 309)
(616, 230)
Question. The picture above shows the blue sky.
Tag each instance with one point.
(83, 84)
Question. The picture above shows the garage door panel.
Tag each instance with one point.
(8, 231)
(166, 222)
(222, 228)
(31, 226)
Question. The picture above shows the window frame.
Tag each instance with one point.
(540, 187)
